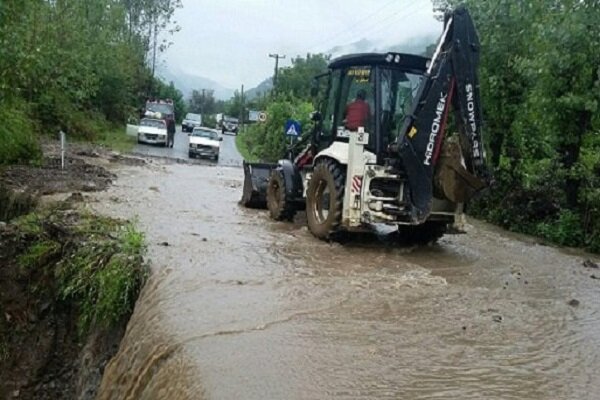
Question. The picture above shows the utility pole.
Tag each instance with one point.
(276, 57)
(242, 111)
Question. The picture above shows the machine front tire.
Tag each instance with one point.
(325, 199)
(280, 207)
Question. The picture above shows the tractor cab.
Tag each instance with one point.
(374, 92)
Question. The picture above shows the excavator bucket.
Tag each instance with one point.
(256, 179)
(451, 178)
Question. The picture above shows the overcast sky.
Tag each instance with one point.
(229, 40)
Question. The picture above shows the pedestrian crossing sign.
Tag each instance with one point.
(293, 128)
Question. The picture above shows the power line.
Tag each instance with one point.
(367, 30)
(384, 27)
(336, 35)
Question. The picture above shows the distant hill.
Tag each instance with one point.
(187, 82)
(262, 88)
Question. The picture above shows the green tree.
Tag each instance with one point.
(78, 65)
(295, 81)
(202, 102)
(541, 89)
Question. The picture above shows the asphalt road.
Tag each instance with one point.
(229, 156)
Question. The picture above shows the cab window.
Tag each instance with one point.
(356, 106)
(398, 93)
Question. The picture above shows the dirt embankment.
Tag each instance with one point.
(68, 279)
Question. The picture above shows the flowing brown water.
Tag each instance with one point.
(240, 307)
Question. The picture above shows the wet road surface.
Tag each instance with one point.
(241, 307)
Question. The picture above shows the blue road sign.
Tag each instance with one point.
(293, 128)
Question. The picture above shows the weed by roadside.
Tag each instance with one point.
(242, 147)
(116, 139)
(96, 262)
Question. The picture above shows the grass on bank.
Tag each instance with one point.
(116, 139)
(242, 147)
(95, 263)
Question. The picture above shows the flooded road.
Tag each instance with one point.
(241, 307)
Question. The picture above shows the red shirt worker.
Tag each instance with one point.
(357, 112)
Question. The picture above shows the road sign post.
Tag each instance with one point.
(293, 128)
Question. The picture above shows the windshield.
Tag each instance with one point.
(193, 117)
(205, 134)
(162, 108)
(398, 92)
(154, 123)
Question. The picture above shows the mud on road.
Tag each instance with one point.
(239, 306)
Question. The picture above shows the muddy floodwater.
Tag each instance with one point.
(241, 307)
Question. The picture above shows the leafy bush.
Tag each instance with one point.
(18, 140)
(565, 230)
(267, 141)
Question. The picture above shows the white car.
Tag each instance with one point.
(153, 131)
(204, 142)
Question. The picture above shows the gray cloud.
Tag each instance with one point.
(229, 40)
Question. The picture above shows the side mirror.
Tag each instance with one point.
(315, 116)
(220, 139)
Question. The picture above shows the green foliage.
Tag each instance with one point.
(104, 276)
(30, 224)
(295, 81)
(18, 143)
(541, 94)
(209, 121)
(117, 139)
(39, 253)
(75, 65)
(202, 102)
(241, 143)
(96, 262)
(267, 141)
(565, 230)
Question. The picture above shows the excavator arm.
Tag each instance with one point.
(451, 81)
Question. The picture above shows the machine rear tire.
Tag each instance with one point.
(426, 233)
(280, 207)
(328, 179)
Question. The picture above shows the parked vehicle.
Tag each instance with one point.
(191, 121)
(204, 142)
(152, 131)
(229, 124)
(160, 109)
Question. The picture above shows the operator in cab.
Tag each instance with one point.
(357, 112)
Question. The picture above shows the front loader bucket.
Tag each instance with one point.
(256, 179)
